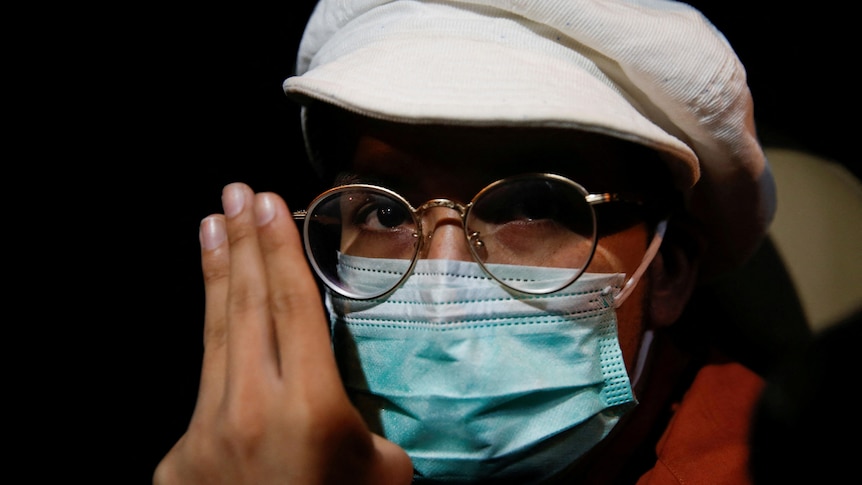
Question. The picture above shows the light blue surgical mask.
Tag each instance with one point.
(475, 382)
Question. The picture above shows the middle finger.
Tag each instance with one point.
(250, 347)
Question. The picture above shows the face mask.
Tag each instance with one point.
(477, 383)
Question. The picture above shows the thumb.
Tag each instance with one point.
(392, 463)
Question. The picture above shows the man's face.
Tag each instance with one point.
(423, 162)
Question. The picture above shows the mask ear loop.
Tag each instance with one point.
(651, 251)
(640, 364)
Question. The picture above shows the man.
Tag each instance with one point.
(526, 195)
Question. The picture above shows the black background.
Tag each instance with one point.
(160, 108)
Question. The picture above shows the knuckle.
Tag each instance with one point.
(238, 233)
(201, 452)
(164, 473)
(284, 300)
(215, 335)
(190, 461)
(274, 239)
(246, 299)
(328, 425)
(243, 426)
(215, 272)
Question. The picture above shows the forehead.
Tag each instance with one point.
(456, 161)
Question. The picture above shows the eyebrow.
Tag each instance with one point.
(348, 177)
(403, 186)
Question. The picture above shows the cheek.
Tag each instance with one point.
(623, 252)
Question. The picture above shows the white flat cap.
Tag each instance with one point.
(651, 71)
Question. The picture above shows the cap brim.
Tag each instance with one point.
(408, 80)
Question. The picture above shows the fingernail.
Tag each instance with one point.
(264, 208)
(212, 233)
(232, 200)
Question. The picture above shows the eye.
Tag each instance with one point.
(539, 204)
(533, 206)
(526, 203)
(379, 213)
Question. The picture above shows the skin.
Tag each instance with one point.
(457, 162)
(271, 407)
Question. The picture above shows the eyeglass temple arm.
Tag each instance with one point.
(651, 251)
(595, 199)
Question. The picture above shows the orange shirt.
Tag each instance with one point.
(706, 441)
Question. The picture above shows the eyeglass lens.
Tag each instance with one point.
(537, 221)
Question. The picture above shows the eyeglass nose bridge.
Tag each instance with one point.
(474, 241)
(461, 209)
(445, 203)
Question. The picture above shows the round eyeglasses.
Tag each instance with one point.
(543, 220)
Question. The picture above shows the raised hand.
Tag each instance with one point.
(271, 408)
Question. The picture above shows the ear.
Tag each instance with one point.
(673, 275)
